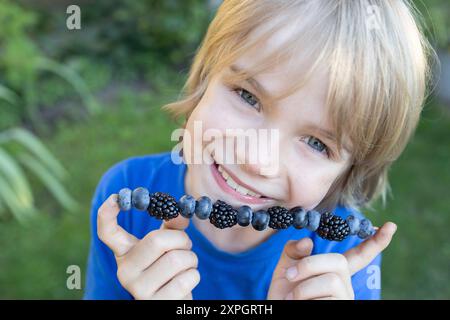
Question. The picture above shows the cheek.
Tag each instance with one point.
(218, 110)
(312, 184)
(209, 118)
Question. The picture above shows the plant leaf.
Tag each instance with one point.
(12, 202)
(73, 78)
(8, 95)
(17, 181)
(35, 146)
(52, 184)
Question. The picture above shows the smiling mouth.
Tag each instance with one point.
(231, 185)
(235, 185)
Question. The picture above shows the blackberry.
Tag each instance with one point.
(332, 227)
(163, 206)
(280, 218)
(223, 215)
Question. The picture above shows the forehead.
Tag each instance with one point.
(289, 67)
(284, 73)
(302, 68)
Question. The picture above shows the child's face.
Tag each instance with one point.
(307, 161)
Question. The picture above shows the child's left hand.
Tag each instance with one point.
(300, 276)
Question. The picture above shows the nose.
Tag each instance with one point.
(261, 157)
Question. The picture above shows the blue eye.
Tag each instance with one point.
(248, 97)
(318, 145)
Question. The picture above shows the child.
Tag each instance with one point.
(342, 83)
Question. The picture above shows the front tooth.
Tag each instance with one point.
(225, 175)
(235, 186)
(232, 184)
(242, 190)
(254, 194)
(251, 193)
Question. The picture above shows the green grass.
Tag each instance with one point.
(34, 258)
(417, 263)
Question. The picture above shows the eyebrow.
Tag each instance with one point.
(253, 82)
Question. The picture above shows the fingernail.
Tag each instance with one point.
(290, 296)
(113, 200)
(395, 227)
(291, 273)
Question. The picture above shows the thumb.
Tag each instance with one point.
(294, 250)
(297, 249)
(178, 223)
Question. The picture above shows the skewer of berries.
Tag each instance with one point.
(163, 206)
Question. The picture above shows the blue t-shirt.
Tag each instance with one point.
(244, 275)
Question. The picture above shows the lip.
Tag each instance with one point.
(236, 195)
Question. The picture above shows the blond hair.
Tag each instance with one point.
(378, 63)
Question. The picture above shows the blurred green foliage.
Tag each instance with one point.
(133, 55)
(22, 66)
(436, 17)
(34, 257)
(19, 150)
(129, 34)
(21, 153)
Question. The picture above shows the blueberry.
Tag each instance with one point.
(140, 198)
(244, 216)
(187, 206)
(353, 223)
(203, 207)
(124, 199)
(260, 220)
(365, 229)
(313, 218)
(300, 220)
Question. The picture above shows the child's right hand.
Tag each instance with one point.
(160, 266)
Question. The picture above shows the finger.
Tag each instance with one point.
(326, 298)
(180, 286)
(318, 264)
(151, 248)
(108, 230)
(292, 252)
(295, 250)
(188, 297)
(325, 285)
(178, 223)
(312, 266)
(167, 267)
(361, 255)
